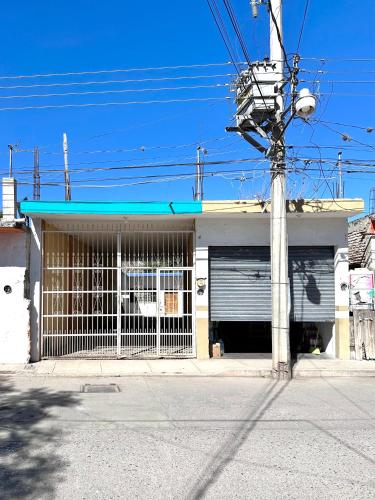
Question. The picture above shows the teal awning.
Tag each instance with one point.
(110, 207)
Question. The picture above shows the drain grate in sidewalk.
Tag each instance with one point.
(100, 388)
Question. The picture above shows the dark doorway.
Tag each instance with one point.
(243, 336)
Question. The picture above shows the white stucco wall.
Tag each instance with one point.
(302, 231)
(14, 307)
(35, 284)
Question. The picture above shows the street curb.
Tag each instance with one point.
(333, 373)
(227, 374)
(29, 371)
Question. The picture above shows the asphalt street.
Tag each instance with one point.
(187, 438)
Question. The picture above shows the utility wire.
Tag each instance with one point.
(302, 26)
(56, 167)
(317, 80)
(222, 30)
(110, 71)
(174, 177)
(154, 165)
(124, 103)
(333, 72)
(337, 59)
(368, 129)
(111, 82)
(142, 148)
(353, 163)
(347, 137)
(237, 30)
(121, 91)
(155, 176)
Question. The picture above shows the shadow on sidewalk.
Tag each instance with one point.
(29, 462)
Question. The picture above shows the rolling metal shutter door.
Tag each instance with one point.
(312, 283)
(240, 284)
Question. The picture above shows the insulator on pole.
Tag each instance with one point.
(254, 8)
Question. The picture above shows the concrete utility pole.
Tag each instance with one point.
(10, 160)
(279, 237)
(260, 111)
(340, 187)
(198, 195)
(68, 195)
(36, 191)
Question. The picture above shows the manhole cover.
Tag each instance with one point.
(100, 388)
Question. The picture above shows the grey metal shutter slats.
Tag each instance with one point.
(240, 283)
(312, 283)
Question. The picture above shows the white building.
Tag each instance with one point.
(140, 280)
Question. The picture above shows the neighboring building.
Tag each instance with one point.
(14, 282)
(139, 279)
(361, 242)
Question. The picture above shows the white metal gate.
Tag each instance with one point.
(124, 291)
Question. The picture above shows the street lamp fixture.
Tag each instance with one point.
(305, 104)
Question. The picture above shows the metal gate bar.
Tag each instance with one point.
(117, 292)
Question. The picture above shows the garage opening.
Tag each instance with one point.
(243, 336)
(312, 337)
(118, 291)
(240, 298)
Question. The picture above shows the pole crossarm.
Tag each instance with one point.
(247, 138)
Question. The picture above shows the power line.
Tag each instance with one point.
(237, 30)
(142, 148)
(111, 82)
(146, 166)
(110, 71)
(337, 81)
(121, 91)
(222, 30)
(306, 160)
(184, 176)
(333, 72)
(346, 94)
(155, 176)
(337, 147)
(368, 129)
(124, 103)
(302, 26)
(347, 137)
(49, 167)
(337, 59)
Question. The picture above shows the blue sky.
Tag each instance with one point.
(80, 36)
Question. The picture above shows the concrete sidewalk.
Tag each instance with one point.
(259, 366)
(256, 365)
(310, 365)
